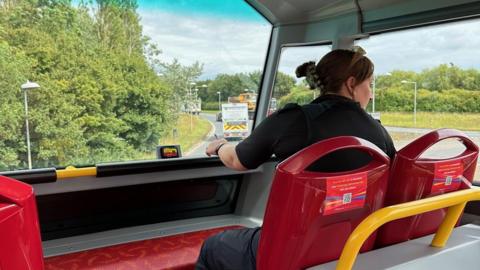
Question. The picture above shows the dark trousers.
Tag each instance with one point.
(230, 250)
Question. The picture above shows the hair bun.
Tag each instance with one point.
(309, 71)
(303, 69)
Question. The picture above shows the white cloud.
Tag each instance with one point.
(292, 57)
(426, 47)
(223, 46)
(230, 46)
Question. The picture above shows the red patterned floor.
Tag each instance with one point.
(176, 252)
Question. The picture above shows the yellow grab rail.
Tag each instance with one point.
(71, 171)
(455, 201)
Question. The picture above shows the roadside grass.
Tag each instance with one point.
(432, 120)
(187, 137)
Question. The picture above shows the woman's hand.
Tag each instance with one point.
(212, 148)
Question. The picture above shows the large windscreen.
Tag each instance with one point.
(88, 82)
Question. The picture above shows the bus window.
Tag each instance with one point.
(427, 78)
(289, 89)
(88, 82)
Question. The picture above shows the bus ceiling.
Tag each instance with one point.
(337, 19)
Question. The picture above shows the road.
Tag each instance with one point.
(421, 131)
(444, 149)
(199, 150)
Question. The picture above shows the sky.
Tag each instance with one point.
(228, 36)
(426, 47)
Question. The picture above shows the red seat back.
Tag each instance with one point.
(310, 215)
(414, 178)
(20, 244)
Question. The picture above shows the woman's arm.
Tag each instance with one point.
(227, 154)
(257, 148)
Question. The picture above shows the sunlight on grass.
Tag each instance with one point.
(210, 111)
(188, 134)
(430, 120)
(462, 121)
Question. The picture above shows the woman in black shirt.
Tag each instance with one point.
(344, 78)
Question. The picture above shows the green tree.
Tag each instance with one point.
(100, 98)
(234, 84)
(13, 66)
(300, 94)
(227, 85)
(283, 85)
(180, 80)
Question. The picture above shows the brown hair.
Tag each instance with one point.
(334, 69)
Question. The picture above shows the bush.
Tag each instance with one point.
(210, 106)
(299, 94)
(453, 100)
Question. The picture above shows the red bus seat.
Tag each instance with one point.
(20, 244)
(175, 252)
(310, 215)
(414, 178)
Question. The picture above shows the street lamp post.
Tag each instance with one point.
(219, 101)
(205, 87)
(190, 94)
(28, 86)
(190, 104)
(414, 101)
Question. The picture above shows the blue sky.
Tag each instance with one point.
(218, 8)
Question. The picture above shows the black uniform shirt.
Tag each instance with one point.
(287, 131)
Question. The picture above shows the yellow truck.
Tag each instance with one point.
(249, 98)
